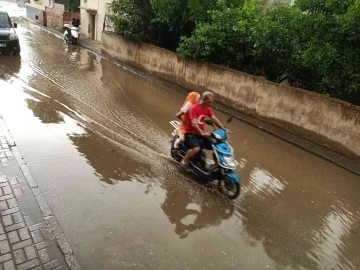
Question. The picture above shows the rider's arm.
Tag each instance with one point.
(184, 110)
(179, 114)
(217, 122)
(194, 123)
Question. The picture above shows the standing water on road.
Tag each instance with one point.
(96, 138)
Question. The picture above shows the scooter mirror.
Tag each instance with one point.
(229, 120)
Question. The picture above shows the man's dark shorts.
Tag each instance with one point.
(193, 140)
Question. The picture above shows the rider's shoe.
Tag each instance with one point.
(184, 166)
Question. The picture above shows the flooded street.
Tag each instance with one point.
(96, 139)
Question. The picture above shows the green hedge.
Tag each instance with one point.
(315, 44)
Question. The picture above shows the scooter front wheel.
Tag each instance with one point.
(229, 189)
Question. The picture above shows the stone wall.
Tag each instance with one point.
(68, 16)
(42, 18)
(321, 119)
(56, 18)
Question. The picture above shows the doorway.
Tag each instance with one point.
(92, 26)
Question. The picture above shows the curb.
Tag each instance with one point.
(350, 164)
(52, 224)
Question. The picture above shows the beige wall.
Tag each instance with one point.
(98, 5)
(40, 4)
(324, 120)
(84, 21)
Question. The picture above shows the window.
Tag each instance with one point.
(5, 21)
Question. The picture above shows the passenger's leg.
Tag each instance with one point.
(181, 132)
(190, 153)
(181, 137)
(194, 148)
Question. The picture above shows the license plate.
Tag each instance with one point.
(2, 45)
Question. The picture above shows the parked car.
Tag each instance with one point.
(9, 41)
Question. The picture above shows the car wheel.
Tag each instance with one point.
(16, 52)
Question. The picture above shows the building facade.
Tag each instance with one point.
(35, 8)
(93, 18)
(50, 13)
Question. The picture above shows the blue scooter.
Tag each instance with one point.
(223, 165)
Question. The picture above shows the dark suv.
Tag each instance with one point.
(9, 41)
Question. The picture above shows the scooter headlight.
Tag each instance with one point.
(231, 162)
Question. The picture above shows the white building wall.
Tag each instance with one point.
(84, 21)
(40, 4)
(100, 7)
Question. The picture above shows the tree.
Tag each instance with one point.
(278, 37)
(74, 5)
(181, 16)
(332, 50)
(225, 38)
(135, 19)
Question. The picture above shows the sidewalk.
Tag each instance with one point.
(30, 236)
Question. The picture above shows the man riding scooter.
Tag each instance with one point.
(74, 23)
(196, 136)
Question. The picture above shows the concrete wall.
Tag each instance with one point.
(84, 21)
(56, 19)
(68, 16)
(327, 121)
(59, 7)
(31, 12)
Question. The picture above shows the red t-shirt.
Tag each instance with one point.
(200, 114)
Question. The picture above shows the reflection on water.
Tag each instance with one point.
(87, 61)
(44, 112)
(335, 240)
(108, 160)
(9, 64)
(300, 225)
(263, 182)
(203, 211)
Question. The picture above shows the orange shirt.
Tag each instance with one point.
(191, 99)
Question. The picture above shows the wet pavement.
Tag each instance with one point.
(26, 240)
(96, 139)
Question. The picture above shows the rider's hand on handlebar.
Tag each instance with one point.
(228, 130)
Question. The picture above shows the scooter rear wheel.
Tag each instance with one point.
(229, 189)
